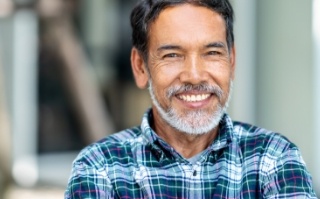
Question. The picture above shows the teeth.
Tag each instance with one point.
(194, 98)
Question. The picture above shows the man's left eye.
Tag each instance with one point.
(213, 53)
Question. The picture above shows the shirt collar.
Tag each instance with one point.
(223, 139)
(146, 129)
(225, 134)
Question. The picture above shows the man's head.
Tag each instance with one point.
(187, 58)
(147, 11)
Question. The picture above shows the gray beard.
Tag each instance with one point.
(195, 122)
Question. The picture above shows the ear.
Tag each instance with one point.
(233, 61)
(139, 69)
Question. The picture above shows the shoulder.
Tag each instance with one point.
(282, 170)
(94, 162)
(253, 139)
(110, 149)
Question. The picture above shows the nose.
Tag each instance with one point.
(194, 71)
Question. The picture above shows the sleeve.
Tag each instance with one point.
(88, 182)
(288, 177)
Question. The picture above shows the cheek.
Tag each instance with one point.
(168, 68)
(161, 83)
(160, 86)
(165, 75)
(221, 79)
(222, 75)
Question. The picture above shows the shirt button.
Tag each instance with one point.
(195, 173)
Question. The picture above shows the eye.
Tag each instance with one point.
(171, 55)
(213, 53)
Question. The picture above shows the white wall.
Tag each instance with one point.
(242, 106)
(285, 71)
(316, 89)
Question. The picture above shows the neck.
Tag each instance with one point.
(189, 145)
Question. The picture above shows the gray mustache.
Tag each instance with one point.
(204, 87)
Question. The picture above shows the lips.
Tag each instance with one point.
(193, 97)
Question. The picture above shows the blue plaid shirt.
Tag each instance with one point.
(242, 162)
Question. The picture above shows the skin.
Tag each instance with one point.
(187, 44)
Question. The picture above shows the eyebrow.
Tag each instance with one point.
(215, 45)
(168, 47)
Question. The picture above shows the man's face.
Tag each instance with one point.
(190, 68)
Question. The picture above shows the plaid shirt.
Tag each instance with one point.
(242, 162)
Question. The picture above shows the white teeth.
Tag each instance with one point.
(194, 98)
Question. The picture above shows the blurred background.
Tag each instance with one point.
(66, 81)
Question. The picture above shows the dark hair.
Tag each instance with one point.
(146, 11)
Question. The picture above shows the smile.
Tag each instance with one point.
(194, 98)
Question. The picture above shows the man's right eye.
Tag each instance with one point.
(171, 55)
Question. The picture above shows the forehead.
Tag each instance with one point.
(189, 23)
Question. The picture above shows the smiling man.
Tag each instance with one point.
(187, 146)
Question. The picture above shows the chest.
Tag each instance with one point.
(221, 179)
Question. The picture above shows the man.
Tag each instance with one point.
(187, 146)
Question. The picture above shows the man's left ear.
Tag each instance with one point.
(233, 61)
(139, 69)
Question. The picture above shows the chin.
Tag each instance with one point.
(193, 122)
